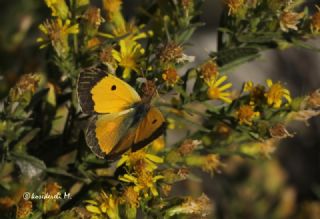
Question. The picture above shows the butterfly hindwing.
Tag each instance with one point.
(104, 93)
(150, 128)
(106, 131)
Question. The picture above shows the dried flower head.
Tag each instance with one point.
(107, 59)
(200, 206)
(170, 76)
(183, 173)
(246, 114)
(305, 115)
(24, 208)
(175, 175)
(209, 70)
(276, 93)
(170, 53)
(289, 20)
(187, 5)
(28, 83)
(188, 146)
(93, 17)
(279, 131)
(313, 100)
(315, 21)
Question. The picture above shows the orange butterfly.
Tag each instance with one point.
(121, 119)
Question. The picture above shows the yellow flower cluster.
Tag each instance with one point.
(275, 95)
(57, 31)
(141, 171)
(139, 181)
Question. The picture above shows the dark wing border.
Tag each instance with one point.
(88, 78)
(92, 140)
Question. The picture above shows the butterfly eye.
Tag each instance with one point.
(154, 121)
(114, 87)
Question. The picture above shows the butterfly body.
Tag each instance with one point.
(121, 120)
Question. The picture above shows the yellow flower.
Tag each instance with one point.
(290, 20)
(315, 21)
(144, 182)
(104, 205)
(128, 56)
(276, 93)
(215, 91)
(246, 114)
(234, 5)
(59, 8)
(171, 76)
(140, 159)
(57, 33)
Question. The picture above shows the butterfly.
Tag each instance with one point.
(120, 118)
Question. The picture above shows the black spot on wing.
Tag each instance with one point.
(114, 87)
(88, 78)
(154, 121)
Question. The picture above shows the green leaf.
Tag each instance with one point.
(230, 58)
(30, 166)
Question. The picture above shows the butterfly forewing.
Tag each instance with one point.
(99, 92)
